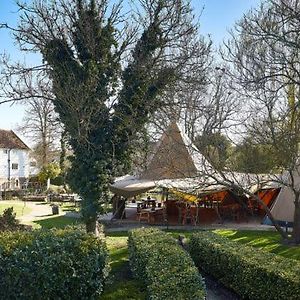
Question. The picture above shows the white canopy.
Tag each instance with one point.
(130, 186)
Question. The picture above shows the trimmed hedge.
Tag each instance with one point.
(250, 272)
(166, 269)
(56, 264)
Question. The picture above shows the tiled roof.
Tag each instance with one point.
(9, 140)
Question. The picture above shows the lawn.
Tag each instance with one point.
(19, 208)
(121, 285)
(57, 222)
(264, 240)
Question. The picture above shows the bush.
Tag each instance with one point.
(250, 272)
(60, 264)
(163, 266)
(8, 221)
(58, 180)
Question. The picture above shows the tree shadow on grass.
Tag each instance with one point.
(269, 241)
(58, 222)
(121, 284)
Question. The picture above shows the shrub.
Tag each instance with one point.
(8, 221)
(250, 272)
(166, 269)
(60, 264)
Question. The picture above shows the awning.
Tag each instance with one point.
(130, 186)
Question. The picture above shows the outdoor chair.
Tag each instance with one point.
(144, 216)
(187, 214)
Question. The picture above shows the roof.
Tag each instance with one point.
(9, 140)
(175, 157)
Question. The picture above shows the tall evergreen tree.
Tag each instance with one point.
(107, 79)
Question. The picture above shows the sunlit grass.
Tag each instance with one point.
(19, 208)
(269, 241)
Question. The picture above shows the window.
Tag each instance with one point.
(15, 166)
(33, 164)
(5, 151)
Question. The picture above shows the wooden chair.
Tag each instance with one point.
(187, 214)
(144, 216)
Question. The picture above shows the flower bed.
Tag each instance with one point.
(166, 270)
(56, 264)
(250, 272)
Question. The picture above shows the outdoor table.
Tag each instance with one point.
(148, 214)
(149, 202)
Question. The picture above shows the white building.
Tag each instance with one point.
(15, 163)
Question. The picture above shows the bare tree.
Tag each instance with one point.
(42, 126)
(264, 55)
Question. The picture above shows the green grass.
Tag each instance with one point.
(68, 206)
(57, 222)
(269, 241)
(121, 285)
(19, 208)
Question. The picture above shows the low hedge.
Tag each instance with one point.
(250, 272)
(166, 270)
(56, 264)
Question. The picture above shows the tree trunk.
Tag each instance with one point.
(269, 214)
(296, 226)
(118, 207)
(92, 226)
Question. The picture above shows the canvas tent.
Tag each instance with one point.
(175, 163)
(283, 208)
(130, 186)
(174, 157)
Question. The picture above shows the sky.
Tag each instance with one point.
(217, 17)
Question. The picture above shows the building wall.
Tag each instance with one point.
(19, 157)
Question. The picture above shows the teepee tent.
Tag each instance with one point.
(175, 156)
(175, 162)
(283, 208)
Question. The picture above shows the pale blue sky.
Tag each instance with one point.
(217, 18)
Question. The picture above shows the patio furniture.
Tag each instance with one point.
(149, 202)
(38, 198)
(188, 215)
(149, 214)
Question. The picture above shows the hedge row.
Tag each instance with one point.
(166, 269)
(251, 273)
(56, 264)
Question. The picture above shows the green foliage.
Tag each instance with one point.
(58, 180)
(163, 266)
(61, 264)
(251, 157)
(215, 146)
(51, 171)
(251, 273)
(8, 220)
